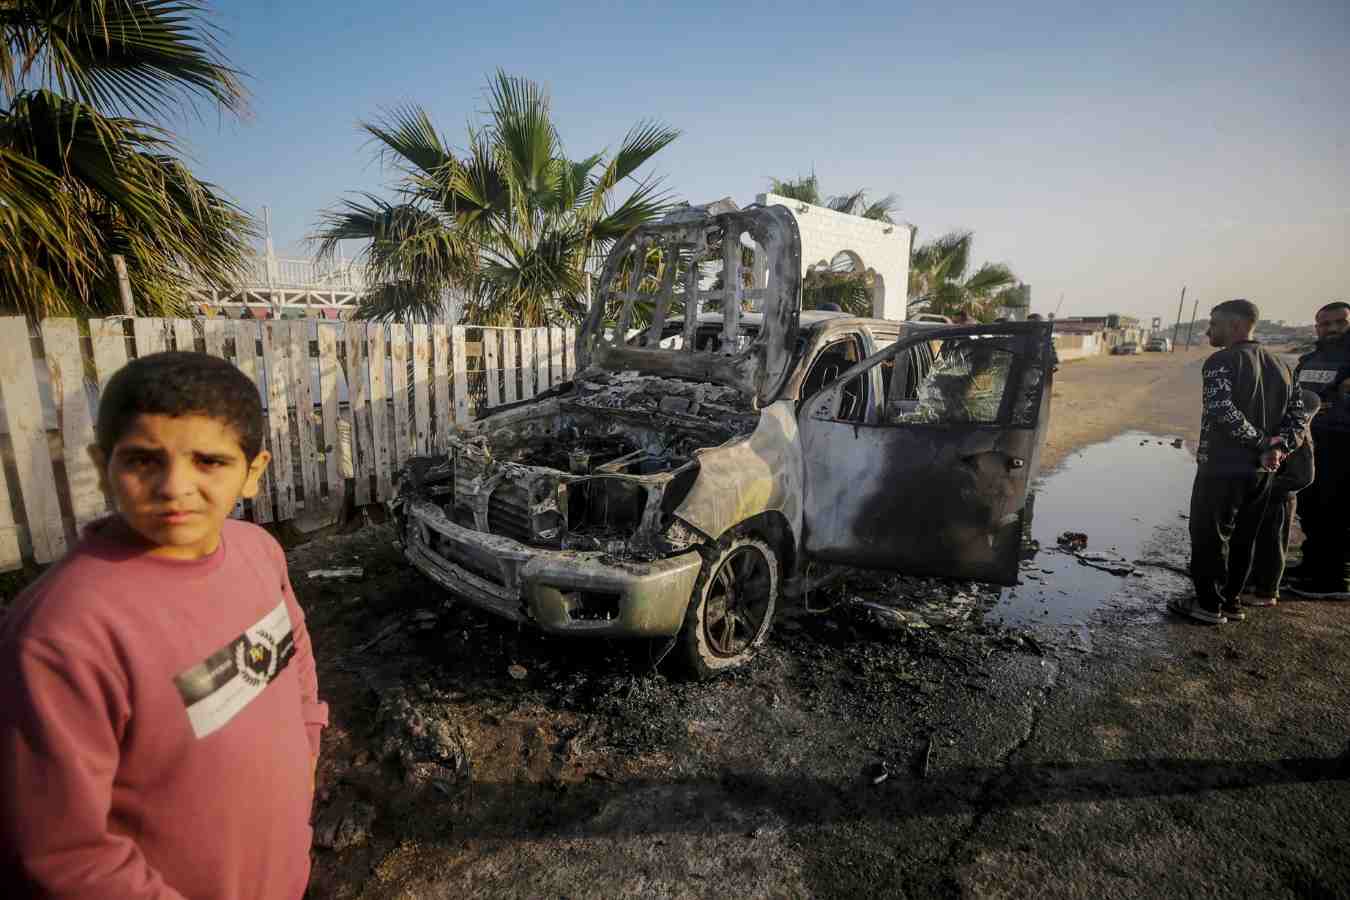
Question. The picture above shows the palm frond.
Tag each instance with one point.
(395, 301)
(138, 56)
(853, 203)
(805, 188)
(406, 133)
(641, 143)
(524, 134)
(989, 278)
(880, 210)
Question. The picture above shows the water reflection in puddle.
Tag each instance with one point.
(1120, 494)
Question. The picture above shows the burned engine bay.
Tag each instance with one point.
(599, 467)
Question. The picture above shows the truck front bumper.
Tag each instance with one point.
(560, 591)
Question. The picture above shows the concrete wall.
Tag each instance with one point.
(879, 246)
(1078, 346)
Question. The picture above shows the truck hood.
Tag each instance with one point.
(679, 267)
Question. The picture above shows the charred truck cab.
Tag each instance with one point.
(704, 454)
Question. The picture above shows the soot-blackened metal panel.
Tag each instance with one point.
(659, 264)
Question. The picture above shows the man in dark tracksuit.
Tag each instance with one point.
(1324, 508)
(1250, 413)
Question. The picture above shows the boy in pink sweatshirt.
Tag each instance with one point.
(159, 711)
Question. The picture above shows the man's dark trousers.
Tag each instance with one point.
(1272, 544)
(1226, 513)
(1324, 512)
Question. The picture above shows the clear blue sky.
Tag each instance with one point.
(1111, 155)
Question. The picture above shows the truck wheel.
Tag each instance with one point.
(732, 606)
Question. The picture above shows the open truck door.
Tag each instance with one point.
(933, 480)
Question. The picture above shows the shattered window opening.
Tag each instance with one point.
(965, 385)
(832, 361)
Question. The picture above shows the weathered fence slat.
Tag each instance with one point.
(510, 379)
(570, 357)
(110, 348)
(421, 356)
(440, 376)
(184, 339)
(150, 336)
(492, 339)
(330, 415)
(213, 339)
(541, 373)
(555, 356)
(274, 341)
(398, 369)
(527, 388)
(302, 394)
(460, 368)
(378, 341)
(11, 556)
(358, 392)
(246, 358)
(213, 336)
(28, 433)
(61, 342)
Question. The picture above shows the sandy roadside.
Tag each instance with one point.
(1099, 397)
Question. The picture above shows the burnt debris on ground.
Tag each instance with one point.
(430, 698)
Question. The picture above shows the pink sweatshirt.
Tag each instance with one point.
(158, 722)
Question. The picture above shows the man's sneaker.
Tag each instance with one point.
(1190, 608)
(1258, 600)
(1319, 589)
(1233, 612)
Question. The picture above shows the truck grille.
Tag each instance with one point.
(509, 513)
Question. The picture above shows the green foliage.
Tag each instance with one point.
(938, 280)
(806, 188)
(511, 226)
(81, 180)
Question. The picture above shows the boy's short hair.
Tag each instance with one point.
(1333, 306)
(181, 384)
(1238, 309)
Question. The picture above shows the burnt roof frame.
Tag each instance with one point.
(761, 369)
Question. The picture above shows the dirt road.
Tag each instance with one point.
(1102, 396)
(1122, 754)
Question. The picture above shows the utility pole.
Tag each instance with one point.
(1176, 329)
(1191, 327)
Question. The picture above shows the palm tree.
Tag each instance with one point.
(806, 188)
(84, 175)
(511, 225)
(938, 282)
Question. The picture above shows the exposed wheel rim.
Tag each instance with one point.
(737, 601)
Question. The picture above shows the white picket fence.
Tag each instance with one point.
(344, 400)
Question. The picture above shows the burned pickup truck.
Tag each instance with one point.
(708, 460)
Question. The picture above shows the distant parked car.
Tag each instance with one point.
(1125, 348)
(1158, 345)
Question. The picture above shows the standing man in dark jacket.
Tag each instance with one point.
(1324, 508)
(1250, 418)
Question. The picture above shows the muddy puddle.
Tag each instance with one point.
(1128, 495)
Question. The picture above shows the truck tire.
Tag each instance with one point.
(732, 606)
